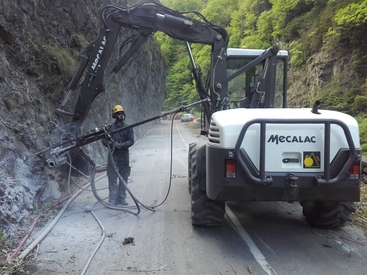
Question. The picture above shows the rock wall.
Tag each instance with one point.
(39, 45)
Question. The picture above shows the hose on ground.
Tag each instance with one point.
(97, 247)
(49, 227)
(95, 192)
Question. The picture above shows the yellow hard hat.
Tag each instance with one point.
(117, 108)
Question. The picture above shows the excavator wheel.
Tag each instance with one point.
(328, 214)
(204, 211)
(191, 152)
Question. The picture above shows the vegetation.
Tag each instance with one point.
(321, 36)
(78, 42)
(11, 267)
(61, 60)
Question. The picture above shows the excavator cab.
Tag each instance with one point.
(242, 88)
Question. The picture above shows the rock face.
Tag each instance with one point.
(39, 45)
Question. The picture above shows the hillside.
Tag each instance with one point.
(326, 42)
(39, 46)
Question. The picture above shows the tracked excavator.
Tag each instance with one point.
(257, 149)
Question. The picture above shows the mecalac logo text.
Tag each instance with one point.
(99, 54)
(291, 139)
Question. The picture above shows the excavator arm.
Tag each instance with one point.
(146, 18)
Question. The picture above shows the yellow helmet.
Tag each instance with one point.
(117, 108)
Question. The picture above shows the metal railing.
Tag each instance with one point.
(259, 175)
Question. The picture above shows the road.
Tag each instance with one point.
(257, 237)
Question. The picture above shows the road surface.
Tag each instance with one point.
(257, 237)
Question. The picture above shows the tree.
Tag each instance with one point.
(218, 15)
(351, 24)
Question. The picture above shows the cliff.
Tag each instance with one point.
(40, 41)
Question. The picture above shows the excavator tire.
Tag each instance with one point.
(192, 149)
(205, 212)
(328, 214)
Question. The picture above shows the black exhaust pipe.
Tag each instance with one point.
(315, 108)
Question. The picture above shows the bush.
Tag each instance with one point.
(362, 121)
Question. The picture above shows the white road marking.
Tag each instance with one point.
(259, 257)
(183, 140)
(179, 132)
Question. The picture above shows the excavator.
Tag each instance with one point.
(257, 149)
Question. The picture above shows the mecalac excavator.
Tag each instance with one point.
(257, 149)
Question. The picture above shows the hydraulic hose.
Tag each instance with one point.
(136, 201)
(49, 227)
(97, 247)
(100, 200)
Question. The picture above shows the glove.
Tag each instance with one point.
(107, 143)
(121, 145)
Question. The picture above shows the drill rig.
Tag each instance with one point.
(257, 150)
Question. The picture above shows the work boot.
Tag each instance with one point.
(123, 202)
(112, 202)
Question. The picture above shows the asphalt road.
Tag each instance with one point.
(257, 237)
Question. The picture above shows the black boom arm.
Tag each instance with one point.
(147, 18)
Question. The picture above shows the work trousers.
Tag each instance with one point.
(117, 190)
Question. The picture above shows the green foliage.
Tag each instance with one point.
(218, 15)
(78, 42)
(351, 23)
(260, 37)
(14, 266)
(334, 97)
(362, 123)
(179, 84)
(252, 24)
(3, 236)
(359, 61)
(236, 29)
(359, 104)
(195, 5)
(60, 59)
(331, 29)
(298, 56)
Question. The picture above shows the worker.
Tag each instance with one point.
(120, 143)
